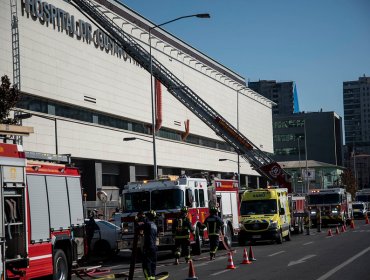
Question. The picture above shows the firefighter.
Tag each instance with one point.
(90, 228)
(214, 226)
(182, 228)
(307, 222)
(318, 219)
(150, 248)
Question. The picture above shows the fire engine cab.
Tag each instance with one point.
(335, 205)
(166, 196)
(41, 220)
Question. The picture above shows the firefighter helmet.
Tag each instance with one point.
(213, 210)
(184, 210)
(151, 214)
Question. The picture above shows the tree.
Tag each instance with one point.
(9, 96)
(349, 181)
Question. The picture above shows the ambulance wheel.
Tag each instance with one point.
(279, 239)
(61, 269)
(197, 247)
(241, 239)
(288, 237)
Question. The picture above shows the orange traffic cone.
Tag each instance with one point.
(343, 229)
(245, 257)
(337, 231)
(230, 263)
(329, 232)
(367, 220)
(251, 255)
(191, 272)
(352, 224)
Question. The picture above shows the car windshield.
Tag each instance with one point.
(253, 207)
(358, 206)
(332, 198)
(136, 201)
(167, 199)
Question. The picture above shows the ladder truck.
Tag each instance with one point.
(258, 159)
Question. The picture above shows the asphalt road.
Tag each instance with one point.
(317, 256)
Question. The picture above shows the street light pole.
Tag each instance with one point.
(305, 151)
(299, 159)
(152, 87)
(226, 159)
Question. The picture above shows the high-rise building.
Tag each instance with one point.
(308, 136)
(284, 94)
(356, 102)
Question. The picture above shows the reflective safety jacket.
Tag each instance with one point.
(150, 234)
(214, 224)
(182, 228)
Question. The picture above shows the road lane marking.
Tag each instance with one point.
(277, 253)
(347, 262)
(308, 243)
(302, 260)
(220, 272)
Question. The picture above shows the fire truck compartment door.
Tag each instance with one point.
(58, 202)
(75, 200)
(229, 206)
(40, 229)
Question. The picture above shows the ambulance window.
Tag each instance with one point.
(189, 198)
(196, 198)
(201, 198)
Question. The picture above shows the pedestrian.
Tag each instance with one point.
(182, 227)
(90, 228)
(150, 247)
(214, 226)
(318, 219)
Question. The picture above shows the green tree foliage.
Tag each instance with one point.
(9, 96)
(348, 180)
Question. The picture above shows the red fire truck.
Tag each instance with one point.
(41, 216)
(226, 195)
(168, 196)
(297, 204)
(335, 205)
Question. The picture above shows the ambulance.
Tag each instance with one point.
(265, 215)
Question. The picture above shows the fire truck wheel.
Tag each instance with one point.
(61, 270)
(279, 240)
(228, 237)
(197, 247)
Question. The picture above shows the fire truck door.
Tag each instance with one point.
(230, 207)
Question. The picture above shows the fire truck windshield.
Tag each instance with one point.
(167, 199)
(253, 207)
(363, 198)
(136, 201)
(332, 198)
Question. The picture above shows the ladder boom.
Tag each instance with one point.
(259, 160)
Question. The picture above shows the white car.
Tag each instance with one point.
(107, 240)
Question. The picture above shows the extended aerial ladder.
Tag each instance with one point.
(258, 159)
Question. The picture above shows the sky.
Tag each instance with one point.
(318, 44)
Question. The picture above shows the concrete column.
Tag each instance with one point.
(98, 175)
(132, 173)
(160, 171)
(258, 182)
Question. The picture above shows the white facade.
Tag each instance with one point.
(63, 68)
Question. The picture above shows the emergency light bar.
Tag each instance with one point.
(49, 157)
